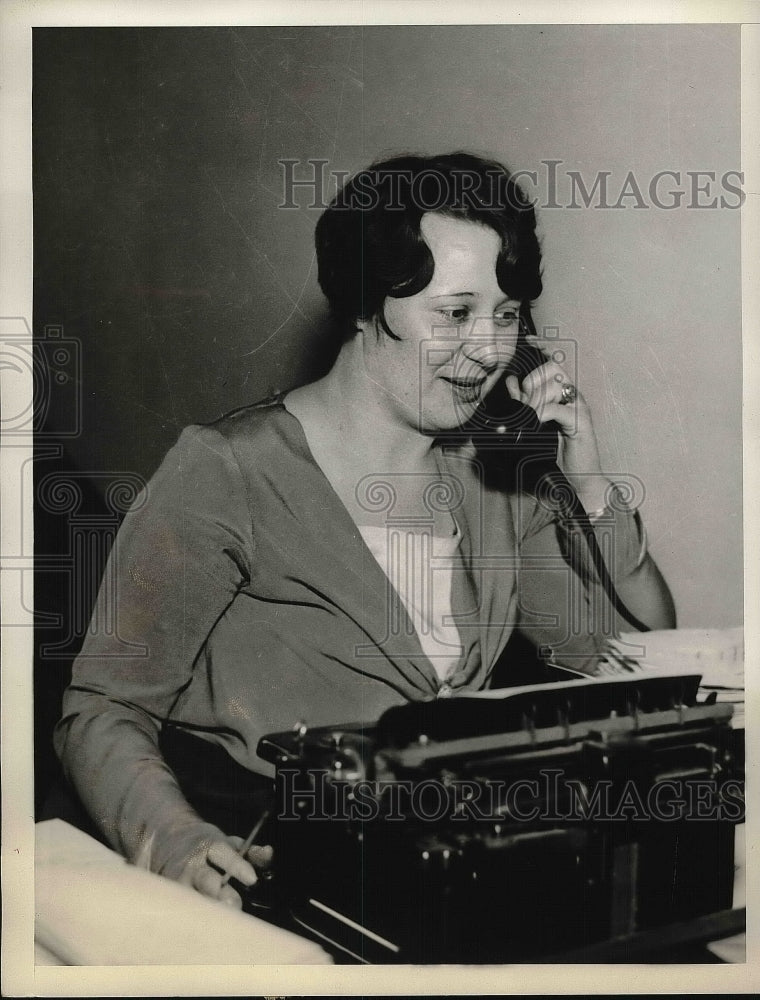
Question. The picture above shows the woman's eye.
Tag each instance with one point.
(507, 318)
(458, 315)
(455, 314)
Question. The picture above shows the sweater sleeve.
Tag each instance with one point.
(183, 551)
(566, 614)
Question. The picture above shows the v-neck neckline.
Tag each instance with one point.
(439, 460)
(420, 660)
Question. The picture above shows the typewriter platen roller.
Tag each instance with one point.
(511, 825)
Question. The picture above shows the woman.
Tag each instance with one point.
(271, 573)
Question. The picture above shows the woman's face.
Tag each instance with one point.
(456, 336)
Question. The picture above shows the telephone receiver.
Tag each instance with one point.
(512, 428)
(507, 433)
(519, 453)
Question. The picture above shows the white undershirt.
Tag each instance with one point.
(419, 566)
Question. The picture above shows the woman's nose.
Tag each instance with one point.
(487, 350)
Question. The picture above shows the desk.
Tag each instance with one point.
(93, 908)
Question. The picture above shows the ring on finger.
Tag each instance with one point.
(569, 394)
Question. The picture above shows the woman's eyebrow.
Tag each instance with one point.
(471, 295)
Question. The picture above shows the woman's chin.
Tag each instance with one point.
(449, 418)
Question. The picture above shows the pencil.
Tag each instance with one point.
(249, 841)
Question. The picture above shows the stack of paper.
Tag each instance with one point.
(92, 908)
(716, 654)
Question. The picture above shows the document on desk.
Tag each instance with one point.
(93, 908)
(574, 679)
(716, 654)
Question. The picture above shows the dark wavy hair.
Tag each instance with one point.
(368, 240)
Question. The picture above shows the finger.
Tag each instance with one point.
(196, 861)
(222, 855)
(230, 897)
(539, 378)
(260, 855)
(542, 387)
(546, 388)
(513, 388)
(208, 882)
(565, 416)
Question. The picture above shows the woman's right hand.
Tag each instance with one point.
(216, 857)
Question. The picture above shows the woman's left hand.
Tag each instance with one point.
(542, 389)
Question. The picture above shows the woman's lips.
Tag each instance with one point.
(466, 388)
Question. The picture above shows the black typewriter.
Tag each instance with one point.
(513, 826)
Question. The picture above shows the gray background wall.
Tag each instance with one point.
(160, 246)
